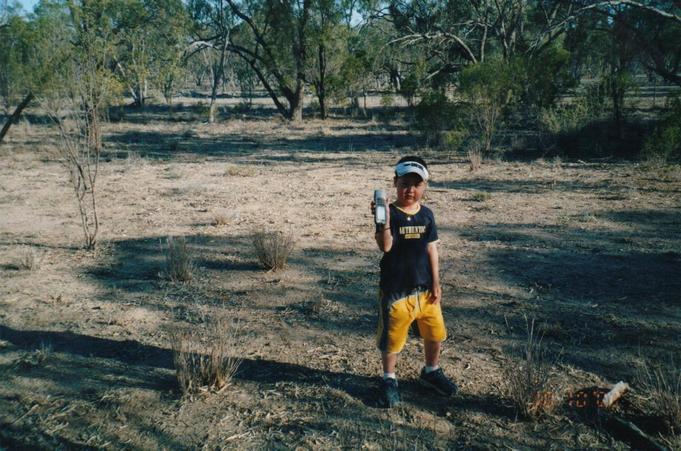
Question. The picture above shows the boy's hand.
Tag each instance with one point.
(387, 211)
(436, 294)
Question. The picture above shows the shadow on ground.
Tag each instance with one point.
(168, 146)
(604, 289)
(227, 274)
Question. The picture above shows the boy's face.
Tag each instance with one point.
(410, 188)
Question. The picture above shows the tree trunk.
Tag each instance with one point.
(15, 116)
(138, 97)
(300, 54)
(321, 88)
(296, 104)
(217, 78)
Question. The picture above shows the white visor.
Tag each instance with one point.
(412, 166)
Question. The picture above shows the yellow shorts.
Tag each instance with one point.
(398, 313)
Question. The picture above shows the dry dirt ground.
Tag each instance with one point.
(591, 250)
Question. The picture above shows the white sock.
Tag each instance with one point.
(430, 369)
(389, 376)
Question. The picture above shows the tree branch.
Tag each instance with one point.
(445, 36)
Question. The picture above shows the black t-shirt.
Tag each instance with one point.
(406, 267)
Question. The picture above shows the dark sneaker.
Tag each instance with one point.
(438, 382)
(389, 397)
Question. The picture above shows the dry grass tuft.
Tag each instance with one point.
(659, 386)
(474, 156)
(29, 259)
(527, 380)
(179, 265)
(207, 360)
(133, 160)
(224, 217)
(273, 249)
(233, 170)
(481, 196)
(220, 219)
(34, 359)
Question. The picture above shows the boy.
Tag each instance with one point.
(410, 281)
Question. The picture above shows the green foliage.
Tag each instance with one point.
(664, 142)
(32, 50)
(354, 75)
(493, 81)
(442, 121)
(15, 60)
(387, 100)
(567, 117)
(150, 39)
(544, 76)
(490, 88)
(576, 130)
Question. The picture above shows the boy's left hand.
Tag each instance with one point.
(436, 294)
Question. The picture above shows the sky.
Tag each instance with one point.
(28, 5)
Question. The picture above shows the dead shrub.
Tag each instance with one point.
(527, 377)
(207, 359)
(659, 389)
(273, 249)
(179, 265)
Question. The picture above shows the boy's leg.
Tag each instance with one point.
(432, 350)
(394, 320)
(390, 396)
(432, 328)
(389, 360)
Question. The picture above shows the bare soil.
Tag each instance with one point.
(591, 250)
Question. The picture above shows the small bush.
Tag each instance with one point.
(664, 142)
(660, 389)
(452, 140)
(387, 100)
(206, 360)
(528, 378)
(179, 265)
(273, 249)
(565, 118)
(491, 88)
(441, 121)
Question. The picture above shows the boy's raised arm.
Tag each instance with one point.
(384, 238)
